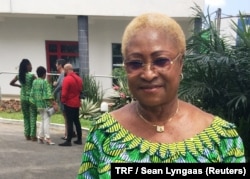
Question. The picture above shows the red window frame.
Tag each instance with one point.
(58, 52)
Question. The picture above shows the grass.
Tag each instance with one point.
(56, 118)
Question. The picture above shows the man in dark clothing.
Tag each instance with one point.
(71, 88)
(57, 92)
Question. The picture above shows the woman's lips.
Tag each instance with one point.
(151, 88)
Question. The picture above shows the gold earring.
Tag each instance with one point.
(182, 76)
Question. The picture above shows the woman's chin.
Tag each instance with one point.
(150, 100)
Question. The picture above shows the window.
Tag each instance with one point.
(67, 50)
(117, 62)
(116, 56)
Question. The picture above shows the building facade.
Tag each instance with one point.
(87, 33)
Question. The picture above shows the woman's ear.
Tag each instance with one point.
(181, 61)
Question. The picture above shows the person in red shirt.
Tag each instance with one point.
(71, 87)
(57, 93)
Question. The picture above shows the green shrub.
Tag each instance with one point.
(122, 95)
(92, 89)
(90, 106)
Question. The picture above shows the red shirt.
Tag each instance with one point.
(71, 88)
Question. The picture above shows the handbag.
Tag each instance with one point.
(50, 111)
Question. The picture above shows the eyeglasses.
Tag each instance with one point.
(159, 63)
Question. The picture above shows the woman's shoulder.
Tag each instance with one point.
(194, 112)
(30, 74)
(218, 132)
(103, 123)
(108, 119)
(120, 111)
(208, 122)
(197, 122)
(223, 124)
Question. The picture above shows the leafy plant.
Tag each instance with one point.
(216, 75)
(216, 78)
(92, 89)
(118, 73)
(89, 109)
(90, 106)
(122, 95)
(243, 32)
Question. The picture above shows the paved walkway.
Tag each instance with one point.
(24, 159)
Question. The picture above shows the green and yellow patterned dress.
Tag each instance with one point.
(41, 94)
(29, 111)
(108, 142)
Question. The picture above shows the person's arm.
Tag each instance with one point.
(58, 85)
(13, 82)
(57, 89)
(48, 97)
(32, 94)
(65, 87)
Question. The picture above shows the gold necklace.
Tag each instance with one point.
(159, 128)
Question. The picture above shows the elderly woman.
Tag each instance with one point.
(157, 127)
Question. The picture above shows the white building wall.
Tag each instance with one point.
(227, 31)
(25, 25)
(25, 38)
(175, 8)
(102, 33)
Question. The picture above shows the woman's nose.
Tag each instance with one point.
(148, 73)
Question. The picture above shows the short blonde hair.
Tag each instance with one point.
(155, 21)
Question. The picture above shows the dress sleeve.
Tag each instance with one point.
(90, 157)
(234, 150)
(31, 99)
(47, 94)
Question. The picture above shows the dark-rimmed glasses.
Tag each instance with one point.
(134, 66)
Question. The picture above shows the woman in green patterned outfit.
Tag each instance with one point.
(157, 127)
(25, 77)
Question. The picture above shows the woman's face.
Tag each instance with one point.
(157, 81)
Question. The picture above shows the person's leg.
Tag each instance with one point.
(33, 119)
(68, 112)
(41, 127)
(26, 118)
(69, 117)
(46, 125)
(65, 120)
(66, 126)
(47, 129)
(74, 131)
(78, 126)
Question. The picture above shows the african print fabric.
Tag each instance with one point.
(108, 142)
